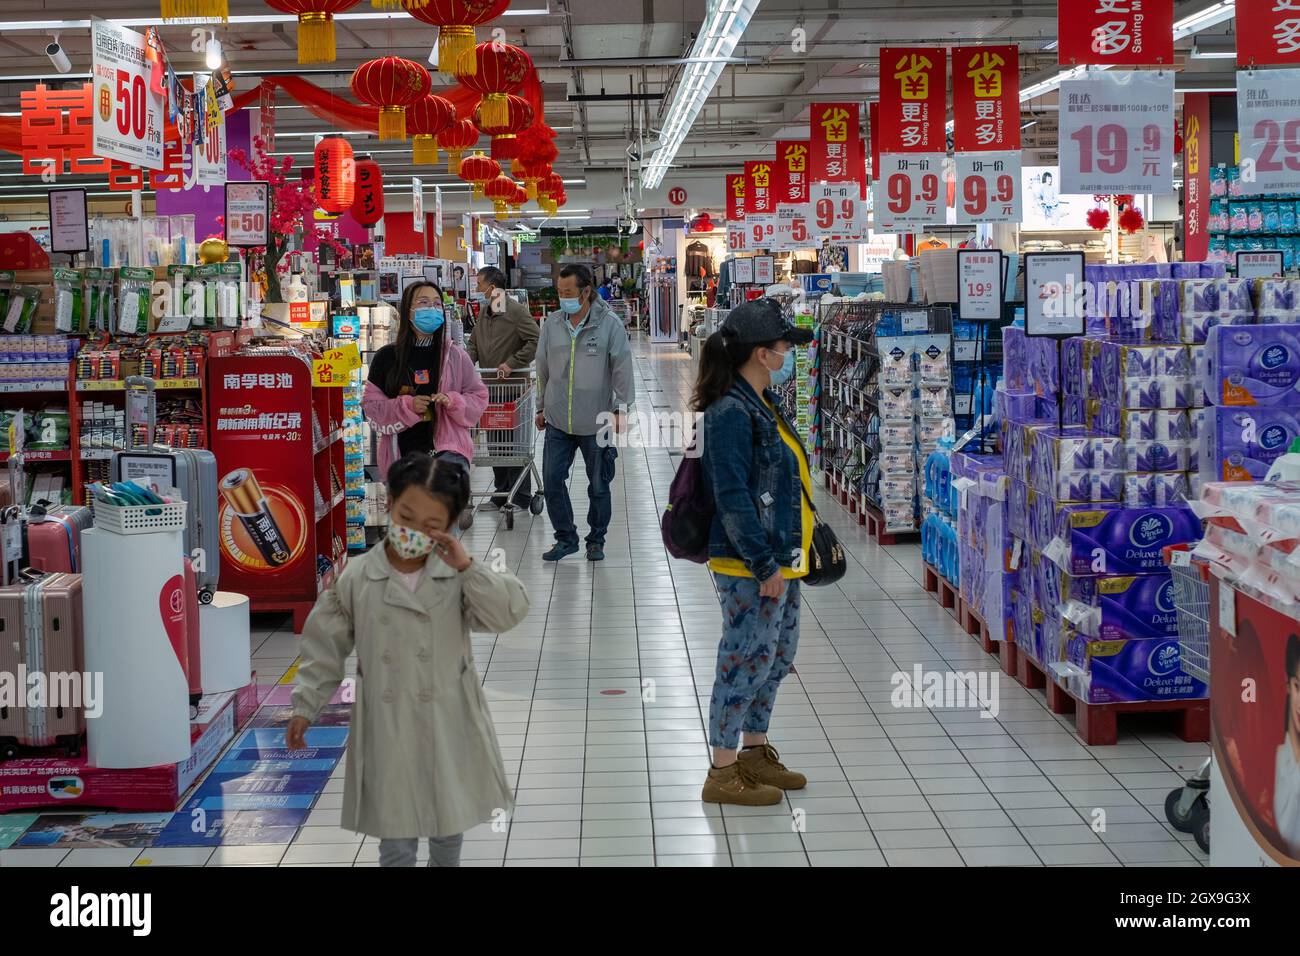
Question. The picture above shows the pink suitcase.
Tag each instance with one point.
(54, 542)
(43, 618)
(194, 664)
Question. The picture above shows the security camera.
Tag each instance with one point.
(58, 57)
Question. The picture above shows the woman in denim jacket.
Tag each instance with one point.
(758, 473)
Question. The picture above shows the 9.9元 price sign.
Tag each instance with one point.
(247, 214)
(910, 192)
(760, 230)
(128, 114)
(988, 187)
(836, 211)
(1117, 133)
(1268, 116)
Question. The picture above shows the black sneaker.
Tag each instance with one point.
(595, 552)
(560, 551)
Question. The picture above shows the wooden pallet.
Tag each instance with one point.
(949, 596)
(875, 521)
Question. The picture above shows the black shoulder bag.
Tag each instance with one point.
(826, 560)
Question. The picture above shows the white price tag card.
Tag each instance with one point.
(744, 271)
(979, 284)
(1268, 118)
(1051, 300)
(1117, 132)
(760, 229)
(247, 213)
(910, 193)
(764, 270)
(837, 211)
(918, 321)
(791, 228)
(128, 113)
(68, 230)
(174, 323)
(736, 236)
(1259, 265)
(964, 350)
(988, 187)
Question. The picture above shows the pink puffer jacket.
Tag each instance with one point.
(459, 380)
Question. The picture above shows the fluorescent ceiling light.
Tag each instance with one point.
(1025, 126)
(724, 25)
(1202, 53)
(46, 26)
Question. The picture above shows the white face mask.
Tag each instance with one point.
(408, 543)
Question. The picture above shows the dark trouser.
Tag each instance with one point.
(557, 459)
(503, 479)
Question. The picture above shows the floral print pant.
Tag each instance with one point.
(759, 639)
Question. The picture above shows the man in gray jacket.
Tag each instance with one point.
(584, 372)
(505, 338)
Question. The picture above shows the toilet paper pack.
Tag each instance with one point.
(1092, 540)
(1241, 444)
(1253, 365)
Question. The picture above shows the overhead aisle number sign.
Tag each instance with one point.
(1117, 132)
(128, 113)
(1268, 117)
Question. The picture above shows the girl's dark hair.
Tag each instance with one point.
(406, 340)
(1292, 670)
(720, 362)
(444, 480)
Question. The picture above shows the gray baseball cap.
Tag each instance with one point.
(763, 320)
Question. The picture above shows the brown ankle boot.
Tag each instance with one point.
(734, 785)
(764, 765)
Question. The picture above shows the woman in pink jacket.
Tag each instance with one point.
(424, 393)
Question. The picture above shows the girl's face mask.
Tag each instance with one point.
(409, 544)
(427, 321)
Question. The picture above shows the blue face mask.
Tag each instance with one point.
(782, 375)
(570, 306)
(427, 321)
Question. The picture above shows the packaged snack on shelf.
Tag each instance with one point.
(1218, 182)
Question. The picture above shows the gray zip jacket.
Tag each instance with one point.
(580, 378)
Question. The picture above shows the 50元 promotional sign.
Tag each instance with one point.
(1117, 131)
(910, 193)
(1268, 117)
(1268, 32)
(913, 101)
(1115, 32)
(247, 213)
(128, 113)
(833, 138)
(988, 187)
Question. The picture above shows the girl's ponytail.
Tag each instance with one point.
(717, 373)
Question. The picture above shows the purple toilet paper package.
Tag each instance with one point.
(1252, 365)
(1124, 606)
(1127, 670)
(1092, 540)
(1157, 455)
(1156, 490)
(1047, 517)
(1074, 410)
(1072, 381)
(1043, 374)
(1018, 509)
(1241, 444)
(1015, 361)
(1015, 406)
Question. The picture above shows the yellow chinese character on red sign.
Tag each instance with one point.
(836, 123)
(912, 72)
(796, 158)
(761, 173)
(986, 70)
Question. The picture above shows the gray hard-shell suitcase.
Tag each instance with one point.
(192, 471)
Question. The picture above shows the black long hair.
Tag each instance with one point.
(445, 481)
(406, 340)
(720, 363)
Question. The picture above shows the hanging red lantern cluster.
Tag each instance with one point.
(336, 174)
(456, 20)
(531, 173)
(368, 205)
(702, 223)
(500, 190)
(505, 142)
(548, 188)
(315, 25)
(1131, 220)
(425, 119)
(493, 70)
(478, 171)
(392, 84)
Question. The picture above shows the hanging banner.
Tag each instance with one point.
(1196, 176)
(1117, 132)
(1268, 102)
(760, 198)
(210, 155)
(1268, 32)
(735, 197)
(792, 171)
(873, 130)
(986, 98)
(417, 205)
(760, 230)
(437, 211)
(833, 134)
(988, 187)
(1115, 32)
(913, 100)
(266, 116)
(910, 192)
(128, 112)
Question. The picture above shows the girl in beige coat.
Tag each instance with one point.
(423, 759)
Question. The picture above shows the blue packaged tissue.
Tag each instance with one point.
(1251, 365)
(1129, 670)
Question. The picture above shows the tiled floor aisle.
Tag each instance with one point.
(601, 698)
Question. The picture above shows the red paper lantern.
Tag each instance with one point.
(478, 171)
(493, 70)
(426, 118)
(392, 84)
(336, 174)
(518, 117)
(456, 20)
(315, 25)
(531, 173)
(518, 200)
(550, 185)
(500, 189)
(368, 206)
(455, 139)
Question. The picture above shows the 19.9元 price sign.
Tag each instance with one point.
(1117, 133)
(1268, 115)
(979, 284)
(836, 211)
(128, 114)
(910, 193)
(247, 214)
(988, 187)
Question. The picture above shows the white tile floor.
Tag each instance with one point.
(601, 700)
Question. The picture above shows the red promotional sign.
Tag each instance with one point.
(873, 126)
(1196, 176)
(986, 98)
(1116, 32)
(913, 99)
(735, 197)
(1268, 32)
(791, 171)
(833, 134)
(268, 499)
(760, 197)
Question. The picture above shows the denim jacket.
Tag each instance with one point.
(754, 477)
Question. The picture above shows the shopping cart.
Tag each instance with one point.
(505, 435)
(1188, 807)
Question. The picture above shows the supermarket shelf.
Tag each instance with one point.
(322, 515)
(30, 456)
(20, 388)
(118, 385)
(336, 435)
(97, 454)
